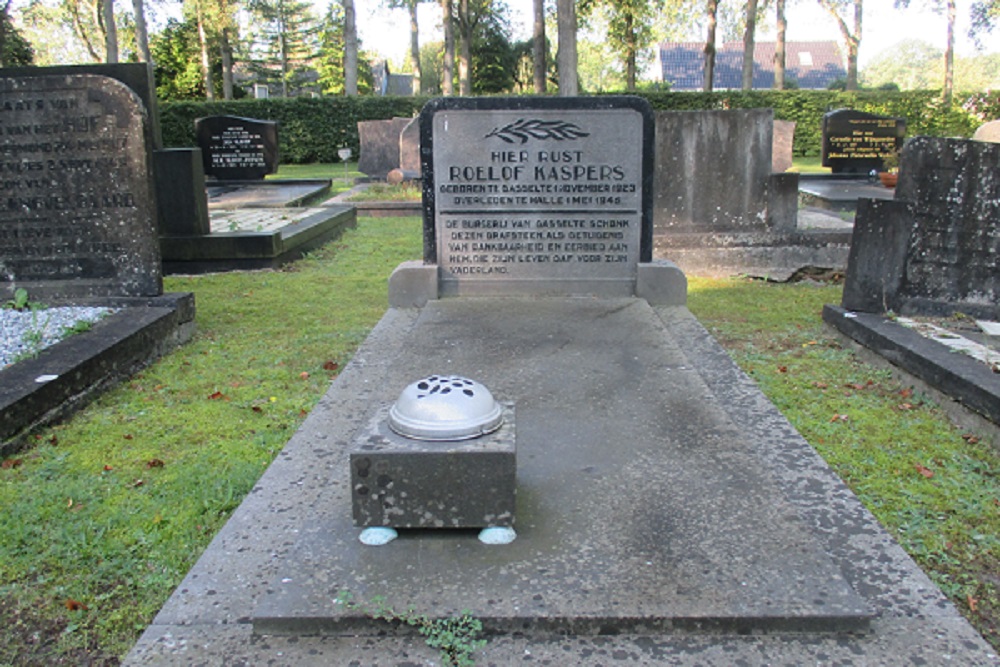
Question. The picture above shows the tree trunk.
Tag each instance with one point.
(748, 45)
(779, 46)
(538, 59)
(713, 22)
(465, 48)
(630, 65)
(415, 46)
(226, 51)
(141, 34)
(566, 21)
(110, 32)
(206, 63)
(949, 56)
(448, 66)
(350, 50)
(851, 41)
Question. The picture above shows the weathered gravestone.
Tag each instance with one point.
(935, 248)
(380, 150)
(988, 132)
(237, 149)
(537, 196)
(855, 142)
(78, 211)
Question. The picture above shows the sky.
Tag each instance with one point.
(387, 31)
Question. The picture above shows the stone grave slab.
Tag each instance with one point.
(856, 142)
(635, 502)
(237, 149)
(78, 218)
(537, 195)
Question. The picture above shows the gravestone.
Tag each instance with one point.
(78, 217)
(855, 142)
(237, 149)
(712, 170)
(781, 145)
(932, 250)
(380, 149)
(537, 196)
(988, 132)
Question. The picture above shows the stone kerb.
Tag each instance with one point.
(78, 218)
(537, 196)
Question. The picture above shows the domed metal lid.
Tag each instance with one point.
(445, 407)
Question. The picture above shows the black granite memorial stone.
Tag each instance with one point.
(77, 209)
(855, 142)
(380, 146)
(237, 149)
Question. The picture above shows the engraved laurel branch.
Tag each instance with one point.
(537, 129)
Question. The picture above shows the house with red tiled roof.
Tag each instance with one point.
(811, 65)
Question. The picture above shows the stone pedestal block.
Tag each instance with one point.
(399, 482)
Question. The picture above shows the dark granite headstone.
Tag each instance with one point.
(537, 195)
(237, 149)
(712, 170)
(181, 200)
(77, 211)
(935, 249)
(855, 142)
(380, 146)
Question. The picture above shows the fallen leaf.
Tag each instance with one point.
(331, 366)
(969, 438)
(303, 413)
(108, 468)
(257, 409)
(820, 385)
(304, 375)
(839, 418)
(10, 464)
(782, 369)
(69, 503)
(905, 406)
(154, 463)
(53, 441)
(127, 436)
(74, 605)
(973, 603)
(855, 386)
(216, 396)
(137, 483)
(234, 385)
(906, 393)
(924, 471)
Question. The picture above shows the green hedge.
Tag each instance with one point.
(311, 130)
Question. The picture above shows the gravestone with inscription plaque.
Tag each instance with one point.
(855, 142)
(540, 196)
(77, 212)
(237, 149)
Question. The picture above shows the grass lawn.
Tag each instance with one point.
(101, 519)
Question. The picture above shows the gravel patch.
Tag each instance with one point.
(25, 333)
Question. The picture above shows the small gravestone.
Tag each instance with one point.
(781, 145)
(380, 146)
(989, 132)
(409, 149)
(855, 142)
(78, 214)
(237, 149)
(538, 196)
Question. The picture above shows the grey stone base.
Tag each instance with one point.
(399, 482)
(89, 363)
(242, 250)
(962, 378)
(839, 193)
(760, 254)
